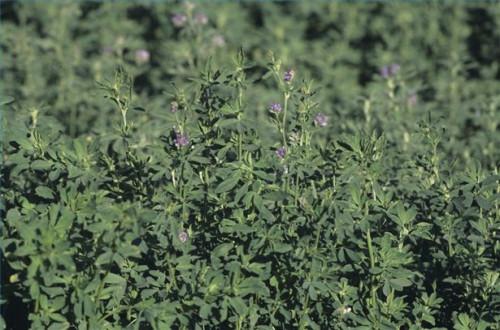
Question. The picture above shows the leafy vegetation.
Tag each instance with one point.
(250, 166)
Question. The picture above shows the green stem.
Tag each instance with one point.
(240, 105)
(316, 243)
(304, 311)
(240, 151)
(239, 323)
(450, 246)
(124, 120)
(372, 262)
(101, 285)
(285, 106)
(297, 189)
(370, 248)
(498, 192)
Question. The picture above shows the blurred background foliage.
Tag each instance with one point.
(54, 52)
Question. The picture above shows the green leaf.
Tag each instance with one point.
(227, 122)
(58, 317)
(281, 247)
(58, 325)
(252, 285)
(399, 283)
(229, 183)
(483, 203)
(263, 175)
(276, 196)
(41, 165)
(241, 192)
(44, 192)
(264, 212)
(199, 159)
(463, 322)
(239, 305)
(13, 216)
(222, 249)
(5, 100)
(205, 311)
(114, 279)
(65, 220)
(312, 293)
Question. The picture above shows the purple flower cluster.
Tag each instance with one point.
(108, 50)
(181, 140)
(200, 19)
(142, 56)
(288, 76)
(183, 236)
(275, 108)
(281, 152)
(218, 40)
(389, 70)
(179, 20)
(412, 100)
(320, 120)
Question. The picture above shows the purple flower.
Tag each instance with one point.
(179, 20)
(320, 120)
(107, 50)
(142, 56)
(384, 71)
(412, 100)
(174, 106)
(281, 152)
(394, 68)
(183, 236)
(389, 71)
(181, 140)
(218, 40)
(289, 74)
(200, 19)
(275, 107)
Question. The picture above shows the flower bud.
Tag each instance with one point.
(288, 76)
(320, 120)
(183, 236)
(218, 41)
(179, 20)
(181, 140)
(281, 152)
(200, 19)
(142, 56)
(275, 108)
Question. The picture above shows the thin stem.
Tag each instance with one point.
(297, 189)
(101, 285)
(240, 103)
(124, 118)
(316, 243)
(370, 248)
(240, 150)
(304, 311)
(239, 323)
(285, 106)
(372, 262)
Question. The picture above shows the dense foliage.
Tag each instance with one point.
(250, 166)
